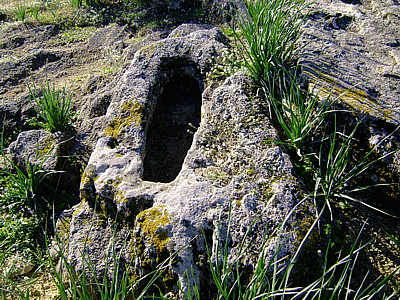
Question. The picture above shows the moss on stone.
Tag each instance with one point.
(353, 97)
(169, 279)
(152, 223)
(119, 197)
(63, 228)
(46, 146)
(152, 49)
(131, 113)
(303, 226)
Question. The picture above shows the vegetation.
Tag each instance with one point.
(334, 173)
(54, 108)
(20, 12)
(86, 285)
(272, 278)
(266, 39)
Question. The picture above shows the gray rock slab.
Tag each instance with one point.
(38, 147)
(351, 49)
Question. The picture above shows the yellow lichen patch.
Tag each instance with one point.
(329, 86)
(89, 175)
(169, 278)
(119, 197)
(88, 240)
(303, 227)
(151, 49)
(250, 171)
(110, 186)
(46, 147)
(131, 113)
(152, 223)
(63, 227)
(85, 179)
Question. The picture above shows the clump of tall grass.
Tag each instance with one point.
(333, 174)
(20, 219)
(299, 113)
(54, 107)
(273, 278)
(267, 36)
(34, 11)
(20, 12)
(21, 184)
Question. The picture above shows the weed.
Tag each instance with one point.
(20, 12)
(269, 31)
(272, 278)
(22, 184)
(20, 218)
(54, 107)
(334, 174)
(76, 3)
(298, 113)
(268, 34)
(34, 10)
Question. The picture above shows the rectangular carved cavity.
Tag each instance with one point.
(170, 132)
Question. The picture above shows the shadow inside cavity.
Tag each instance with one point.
(169, 135)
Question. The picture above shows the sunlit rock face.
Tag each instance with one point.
(352, 50)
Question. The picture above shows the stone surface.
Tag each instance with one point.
(229, 164)
(352, 47)
(38, 147)
(79, 60)
(220, 160)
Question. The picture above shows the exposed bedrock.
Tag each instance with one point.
(352, 48)
(170, 161)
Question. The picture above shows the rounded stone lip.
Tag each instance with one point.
(115, 167)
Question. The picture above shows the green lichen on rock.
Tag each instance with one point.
(63, 227)
(152, 49)
(152, 223)
(328, 86)
(119, 197)
(131, 113)
(303, 226)
(169, 279)
(46, 147)
(151, 246)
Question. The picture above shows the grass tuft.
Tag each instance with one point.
(54, 107)
(20, 12)
(334, 173)
(268, 34)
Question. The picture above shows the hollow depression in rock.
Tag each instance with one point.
(170, 132)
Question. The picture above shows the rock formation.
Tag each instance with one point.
(351, 52)
(219, 160)
(176, 165)
(353, 48)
